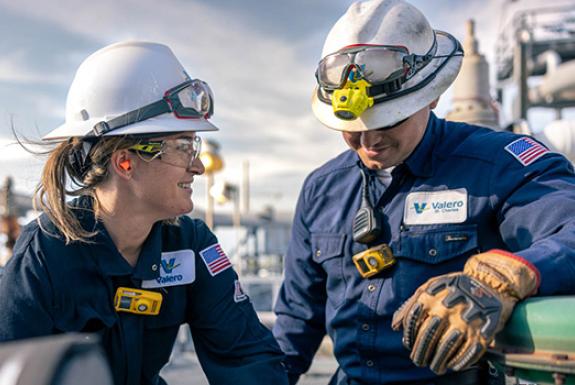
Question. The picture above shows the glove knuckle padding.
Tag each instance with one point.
(458, 303)
(411, 325)
(451, 319)
(467, 356)
(426, 340)
(446, 348)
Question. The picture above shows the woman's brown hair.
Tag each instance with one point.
(75, 168)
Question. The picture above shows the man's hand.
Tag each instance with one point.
(451, 319)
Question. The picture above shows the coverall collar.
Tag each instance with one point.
(421, 162)
(107, 255)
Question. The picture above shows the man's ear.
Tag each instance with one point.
(434, 104)
(121, 163)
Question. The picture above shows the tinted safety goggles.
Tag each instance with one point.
(180, 152)
(192, 99)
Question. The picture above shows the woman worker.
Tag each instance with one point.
(122, 260)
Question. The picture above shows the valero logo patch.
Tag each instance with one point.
(169, 266)
(420, 207)
(177, 268)
(434, 207)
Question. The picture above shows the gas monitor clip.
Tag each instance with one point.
(374, 260)
(137, 301)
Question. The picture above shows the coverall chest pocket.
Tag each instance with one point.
(327, 251)
(428, 252)
(85, 318)
(172, 311)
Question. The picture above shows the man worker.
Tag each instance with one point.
(456, 222)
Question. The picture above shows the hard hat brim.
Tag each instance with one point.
(392, 111)
(165, 123)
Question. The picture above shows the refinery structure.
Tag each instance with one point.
(534, 71)
(534, 74)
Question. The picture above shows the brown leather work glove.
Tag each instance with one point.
(450, 320)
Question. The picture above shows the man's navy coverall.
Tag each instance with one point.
(461, 191)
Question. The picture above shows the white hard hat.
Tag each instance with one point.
(391, 23)
(122, 78)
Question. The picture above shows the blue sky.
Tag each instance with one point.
(259, 57)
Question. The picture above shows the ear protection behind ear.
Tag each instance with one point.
(126, 165)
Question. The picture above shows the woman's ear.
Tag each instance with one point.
(434, 104)
(121, 163)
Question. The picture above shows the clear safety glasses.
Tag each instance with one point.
(180, 152)
(192, 99)
(386, 68)
(377, 64)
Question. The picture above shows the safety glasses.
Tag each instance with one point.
(192, 99)
(180, 152)
(378, 64)
(392, 88)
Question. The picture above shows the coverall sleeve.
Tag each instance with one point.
(232, 345)
(537, 218)
(25, 298)
(300, 307)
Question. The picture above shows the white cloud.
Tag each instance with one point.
(262, 81)
(11, 151)
(262, 87)
(14, 69)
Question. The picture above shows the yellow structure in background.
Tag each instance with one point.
(213, 163)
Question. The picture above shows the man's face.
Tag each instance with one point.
(383, 148)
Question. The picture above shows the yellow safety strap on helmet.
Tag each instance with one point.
(374, 260)
(137, 301)
(352, 100)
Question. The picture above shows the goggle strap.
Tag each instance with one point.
(142, 113)
(385, 88)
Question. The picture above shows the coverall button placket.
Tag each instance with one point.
(368, 318)
(132, 330)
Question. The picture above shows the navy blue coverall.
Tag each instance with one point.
(49, 288)
(459, 193)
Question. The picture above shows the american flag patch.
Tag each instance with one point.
(526, 150)
(215, 259)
